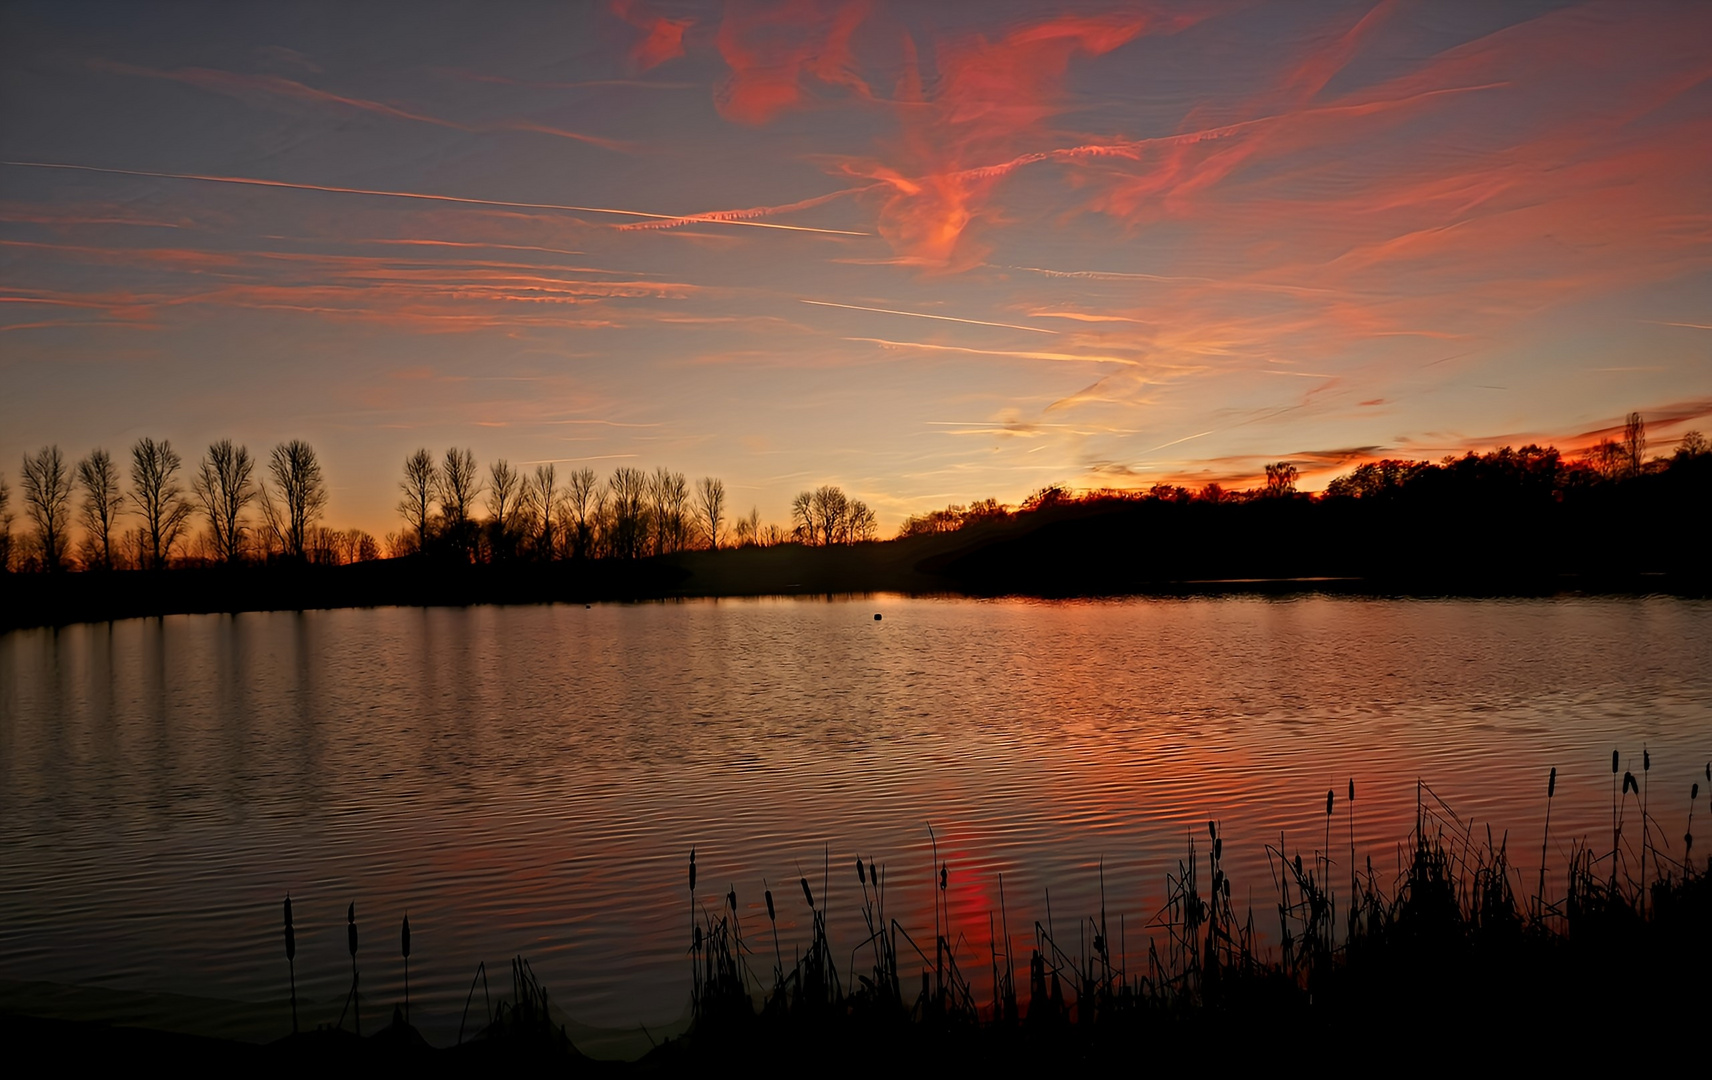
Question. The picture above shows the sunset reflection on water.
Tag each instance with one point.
(530, 780)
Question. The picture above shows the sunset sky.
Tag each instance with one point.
(928, 252)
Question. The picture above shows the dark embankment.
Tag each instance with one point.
(1645, 536)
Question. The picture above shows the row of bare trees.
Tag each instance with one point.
(827, 515)
(288, 502)
(539, 515)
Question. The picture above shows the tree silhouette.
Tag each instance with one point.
(1634, 445)
(582, 504)
(543, 501)
(1280, 479)
(504, 503)
(456, 488)
(158, 498)
(669, 497)
(301, 494)
(5, 525)
(223, 487)
(47, 503)
(101, 503)
(417, 506)
(627, 506)
(710, 508)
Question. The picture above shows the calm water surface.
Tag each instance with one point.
(530, 780)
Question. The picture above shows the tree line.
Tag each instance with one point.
(248, 516)
(233, 509)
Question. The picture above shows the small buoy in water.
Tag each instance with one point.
(876, 616)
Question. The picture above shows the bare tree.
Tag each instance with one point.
(828, 507)
(159, 500)
(627, 503)
(47, 503)
(1634, 443)
(5, 525)
(860, 523)
(748, 529)
(669, 495)
(543, 500)
(504, 502)
(710, 508)
(298, 497)
(581, 501)
(101, 502)
(417, 506)
(223, 487)
(456, 488)
(802, 517)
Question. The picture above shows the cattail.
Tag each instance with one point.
(942, 876)
(1352, 789)
(404, 946)
(1646, 760)
(731, 898)
(807, 895)
(692, 869)
(1328, 801)
(351, 940)
(771, 916)
(1629, 783)
(1551, 783)
(291, 961)
(1613, 763)
(291, 935)
(1212, 830)
(861, 874)
(872, 876)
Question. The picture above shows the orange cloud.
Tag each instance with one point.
(771, 51)
(662, 38)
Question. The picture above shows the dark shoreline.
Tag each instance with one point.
(37, 600)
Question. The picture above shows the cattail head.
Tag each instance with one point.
(807, 895)
(288, 909)
(1328, 800)
(771, 917)
(1613, 763)
(695, 938)
(861, 873)
(1629, 783)
(1693, 793)
(1646, 760)
(404, 936)
(692, 869)
(942, 876)
(1218, 848)
(351, 928)
(1212, 830)
(1551, 783)
(1352, 789)
(731, 898)
(872, 876)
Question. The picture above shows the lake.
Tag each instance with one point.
(530, 780)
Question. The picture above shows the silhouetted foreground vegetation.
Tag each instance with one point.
(1454, 946)
(1510, 521)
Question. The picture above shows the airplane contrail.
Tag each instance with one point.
(924, 315)
(252, 181)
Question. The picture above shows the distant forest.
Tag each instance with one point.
(235, 533)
